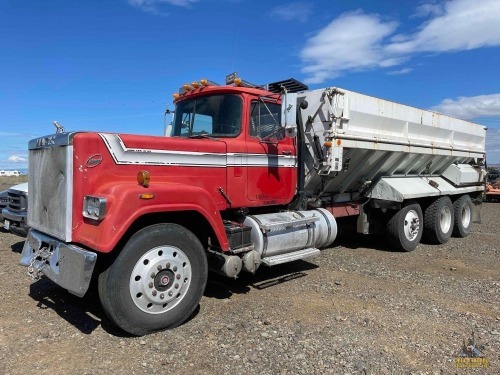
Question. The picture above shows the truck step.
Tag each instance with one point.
(290, 257)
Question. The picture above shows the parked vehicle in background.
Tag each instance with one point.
(493, 186)
(9, 173)
(493, 175)
(3, 201)
(248, 176)
(16, 211)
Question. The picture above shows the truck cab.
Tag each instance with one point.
(260, 160)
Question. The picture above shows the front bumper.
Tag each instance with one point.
(68, 266)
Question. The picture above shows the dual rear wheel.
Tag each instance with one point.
(437, 223)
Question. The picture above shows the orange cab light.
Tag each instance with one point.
(195, 84)
(176, 95)
(237, 81)
(143, 178)
(328, 144)
(146, 196)
(339, 142)
(187, 87)
(204, 82)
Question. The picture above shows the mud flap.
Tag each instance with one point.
(476, 209)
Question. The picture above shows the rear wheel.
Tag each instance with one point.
(156, 281)
(404, 229)
(462, 208)
(438, 220)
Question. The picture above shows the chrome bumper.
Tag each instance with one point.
(18, 217)
(17, 221)
(69, 266)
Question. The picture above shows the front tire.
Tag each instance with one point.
(157, 280)
(404, 229)
(438, 220)
(463, 216)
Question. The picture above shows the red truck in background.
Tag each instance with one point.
(247, 176)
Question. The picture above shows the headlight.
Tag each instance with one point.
(94, 207)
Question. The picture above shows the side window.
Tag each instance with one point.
(265, 119)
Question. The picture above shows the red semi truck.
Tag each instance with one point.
(246, 176)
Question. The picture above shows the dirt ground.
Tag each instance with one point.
(7, 182)
(358, 308)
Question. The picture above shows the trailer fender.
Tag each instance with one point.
(398, 189)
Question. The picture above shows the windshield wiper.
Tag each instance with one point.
(208, 136)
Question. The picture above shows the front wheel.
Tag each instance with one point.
(156, 281)
(404, 229)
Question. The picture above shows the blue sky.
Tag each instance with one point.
(112, 65)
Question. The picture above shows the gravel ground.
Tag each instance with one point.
(356, 309)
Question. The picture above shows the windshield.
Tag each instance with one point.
(217, 115)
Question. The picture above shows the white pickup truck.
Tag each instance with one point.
(15, 213)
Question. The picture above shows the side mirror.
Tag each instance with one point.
(168, 130)
(289, 114)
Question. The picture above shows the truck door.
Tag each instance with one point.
(271, 164)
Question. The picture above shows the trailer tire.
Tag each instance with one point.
(404, 229)
(438, 220)
(157, 280)
(463, 216)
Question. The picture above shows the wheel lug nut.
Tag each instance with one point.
(159, 268)
(153, 275)
(150, 285)
(174, 269)
(154, 292)
(170, 294)
(162, 296)
(176, 286)
(178, 276)
(167, 265)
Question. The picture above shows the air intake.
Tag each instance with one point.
(291, 85)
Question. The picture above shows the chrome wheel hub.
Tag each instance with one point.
(445, 219)
(160, 279)
(466, 216)
(411, 225)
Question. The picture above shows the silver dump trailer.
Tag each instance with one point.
(404, 170)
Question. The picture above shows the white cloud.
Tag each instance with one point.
(154, 6)
(292, 11)
(463, 25)
(400, 71)
(428, 9)
(470, 107)
(353, 41)
(357, 41)
(17, 159)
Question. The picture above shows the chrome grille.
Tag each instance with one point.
(50, 189)
(17, 200)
